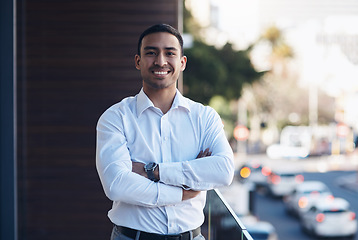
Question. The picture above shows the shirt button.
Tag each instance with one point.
(165, 138)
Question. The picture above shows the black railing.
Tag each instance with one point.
(221, 222)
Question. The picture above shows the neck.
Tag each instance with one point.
(161, 98)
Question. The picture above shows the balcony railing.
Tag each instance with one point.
(221, 222)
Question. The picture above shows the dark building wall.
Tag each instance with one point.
(75, 59)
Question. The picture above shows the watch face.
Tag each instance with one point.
(150, 166)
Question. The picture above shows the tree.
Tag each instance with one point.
(278, 99)
(215, 76)
(212, 71)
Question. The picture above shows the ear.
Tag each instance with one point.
(183, 61)
(137, 61)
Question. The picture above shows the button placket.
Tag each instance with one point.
(172, 226)
(165, 139)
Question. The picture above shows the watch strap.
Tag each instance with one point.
(151, 176)
(149, 168)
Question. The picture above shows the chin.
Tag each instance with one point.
(159, 86)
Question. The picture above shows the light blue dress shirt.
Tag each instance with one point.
(135, 130)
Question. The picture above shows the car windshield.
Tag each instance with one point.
(287, 175)
(315, 191)
(334, 211)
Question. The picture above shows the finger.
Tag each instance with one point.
(206, 152)
(200, 154)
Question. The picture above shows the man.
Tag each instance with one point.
(159, 152)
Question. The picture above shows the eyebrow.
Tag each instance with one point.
(156, 48)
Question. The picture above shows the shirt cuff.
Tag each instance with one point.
(171, 173)
(169, 195)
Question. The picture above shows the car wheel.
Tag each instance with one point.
(353, 236)
(305, 230)
(315, 235)
(289, 210)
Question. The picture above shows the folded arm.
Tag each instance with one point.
(138, 168)
(204, 173)
(114, 166)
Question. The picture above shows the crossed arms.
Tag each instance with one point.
(138, 168)
(120, 161)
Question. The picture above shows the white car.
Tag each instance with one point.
(259, 230)
(282, 182)
(305, 195)
(262, 231)
(330, 219)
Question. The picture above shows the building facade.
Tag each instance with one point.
(71, 61)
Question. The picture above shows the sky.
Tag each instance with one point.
(303, 22)
(322, 33)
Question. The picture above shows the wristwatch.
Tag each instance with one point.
(149, 168)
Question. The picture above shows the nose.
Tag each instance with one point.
(160, 60)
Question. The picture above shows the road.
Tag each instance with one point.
(287, 227)
(332, 170)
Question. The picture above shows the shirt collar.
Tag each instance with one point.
(143, 102)
(180, 101)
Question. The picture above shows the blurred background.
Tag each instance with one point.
(299, 67)
(282, 75)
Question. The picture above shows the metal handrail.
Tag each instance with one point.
(244, 233)
(221, 221)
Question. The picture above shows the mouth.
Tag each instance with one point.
(161, 73)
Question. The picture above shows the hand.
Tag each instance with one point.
(188, 194)
(206, 153)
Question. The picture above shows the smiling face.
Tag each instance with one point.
(160, 61)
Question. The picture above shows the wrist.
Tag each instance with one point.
(156, 172)
(150, 169)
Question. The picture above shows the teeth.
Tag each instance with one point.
(160, 73)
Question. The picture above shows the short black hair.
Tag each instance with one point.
(161, 28)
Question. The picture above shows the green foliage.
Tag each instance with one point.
(214, 76)
(212, 71)
(222, 107)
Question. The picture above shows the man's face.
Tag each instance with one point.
(160, 62)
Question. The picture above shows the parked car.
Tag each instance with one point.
(295, 142)
(330, 219)
(282, 182)
(305, 195)
(259, 230)
(262, 231)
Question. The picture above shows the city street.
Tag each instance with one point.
(288, 227)
(337, 172)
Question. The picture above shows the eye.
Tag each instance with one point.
(170, 53)
(150, 53)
